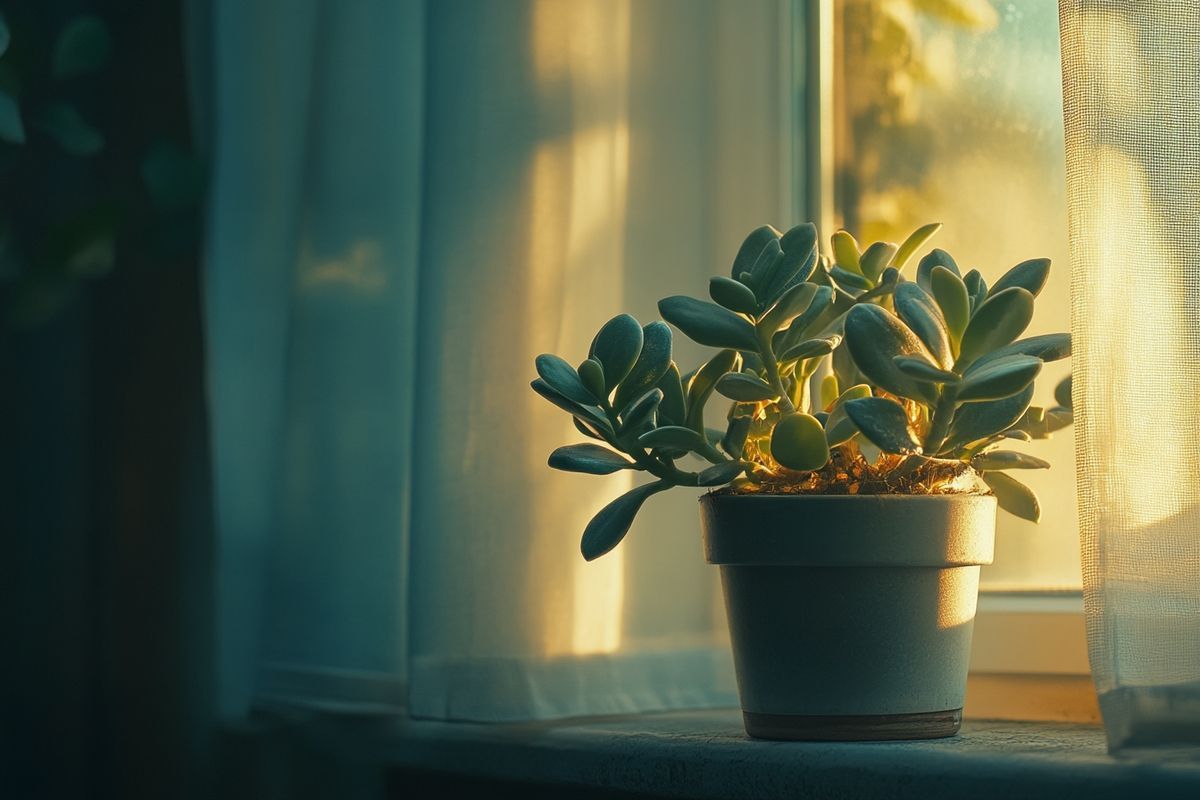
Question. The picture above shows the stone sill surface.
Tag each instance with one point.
(706, 754)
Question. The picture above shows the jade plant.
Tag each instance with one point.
(843, 376)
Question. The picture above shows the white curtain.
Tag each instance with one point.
(1132, 104)
(411, 200)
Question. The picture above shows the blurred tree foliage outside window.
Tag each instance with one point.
(80, 183)
(951, 110)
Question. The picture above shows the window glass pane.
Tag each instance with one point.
(951, 111)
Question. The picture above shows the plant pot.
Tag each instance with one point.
(850, 615)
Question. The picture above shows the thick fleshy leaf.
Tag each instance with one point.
(1040, 423)
(828, 393)
(975, 421)
(587, 413)
(651, 363)
(839, 427)
(874, 336)
(751, 248)
(1030, 275)
(936, 258)
(798, 442)
(608, 528)
(1062, 392)
(719, 474)
(83, 46)
(996, 323)
(617, 347)
(745, 388)
(876, 258)
(799, 258)
(1047, 347)
(921, 314)
(845, 252)
(1020, 436)
(818, 314)
(563, 378)
(997, 379)
(1007, 459)
(708, 323)
(977, 288)
(592, 374)
(1013, 496)
(887, 285)
(705, 380)
(924, 370)
(673, 409)
(792, 304)
(586, 428)
(590, 458)
(952, 298)
(673, 436)
(764, 268)
(883, 421)
(12, 129)
(913, 243)
(734, 295)
(850, 281)
(734, 440)
(641, 411)
(811, 348)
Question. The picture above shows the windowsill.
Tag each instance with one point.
(706, 754)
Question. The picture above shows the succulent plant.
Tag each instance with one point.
(844, 377)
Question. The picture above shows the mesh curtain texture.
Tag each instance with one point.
(410, 201)
(1132, 107)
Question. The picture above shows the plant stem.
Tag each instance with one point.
(942, 416)
(767, 354)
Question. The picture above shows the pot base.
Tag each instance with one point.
(864, 728)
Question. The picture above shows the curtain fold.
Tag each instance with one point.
(1131, 84)
(412, 200)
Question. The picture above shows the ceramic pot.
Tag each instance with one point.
(850, 616)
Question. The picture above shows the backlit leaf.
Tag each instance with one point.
(874, 336)
(590, 458)
(996, 323)
(745, 388)
(1007, 459)
(883, 421)
(913, 243)
(845, 252)
(708, 323)
(798, 442)
(1013, 496)
(876, 258)
(719, 474)
(921, 314)
(652, 362)
(998, 379)
(617, 347)
(936, 258)
(1030, 275)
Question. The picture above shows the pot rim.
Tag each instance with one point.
(872, 531)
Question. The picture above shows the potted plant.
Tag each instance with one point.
(862, 460)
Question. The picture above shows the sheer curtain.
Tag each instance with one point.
(411, 200)
(1131, 80)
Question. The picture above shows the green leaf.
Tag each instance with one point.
(12, 130)
(590, 458)
(839, 427)
(673, 409)
(952, 298)
(764, 268)
(798, 442)
(1062, 392)
(734, 440)
(818, 314)
(1040, 423)
(591, 373)
(674, 436)
(975, 421)
(1047, 347)
(83, 46)
(794, 302)
(703, 383)
(999, 379)
(828, 393)
(914, 243)
(924, 370)
(811, 348)
(651, 363)
(608, 528)
(845, 252)
(617, 347)
(745, 388)
(641, 411)
(586, 429)
(921, 314)
(563, 378)
(751, 248)
(707, 323)
(1007, 459)
(734, 295)
(873, 337)
(1030, 275)
(887, 285)
(799, 258)
(883, 421)
(1013, 496)
(996, 323)
(977, 288)
(876, 258)
(719, 474)
(936, 258)
(72, 133)
(590, 415)
(850, 280)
